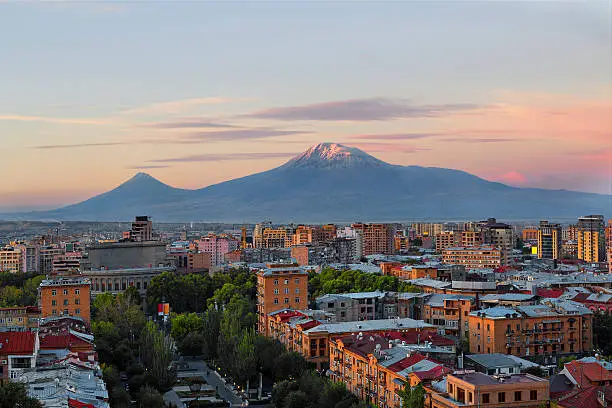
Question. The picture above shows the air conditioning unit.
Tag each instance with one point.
(4, 362)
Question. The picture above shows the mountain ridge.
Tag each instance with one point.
(327, 182)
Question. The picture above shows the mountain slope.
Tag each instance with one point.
(331, 182)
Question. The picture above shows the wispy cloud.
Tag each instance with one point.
(148, 167)
(240, 134)
(397, 136)
(216, 157)
(176, 107)
(361, 110)
(188, 124)
(50, 119)
(77, 145)
(480, 139)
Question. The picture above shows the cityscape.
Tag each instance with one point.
(306, 204)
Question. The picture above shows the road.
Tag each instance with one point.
(213, 378)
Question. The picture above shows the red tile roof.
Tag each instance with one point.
(62, 341)
(549, 293)
(72, 403)
(17, 343)
(588, 373)
(586, 398)
(310, 324)
(434, 373)
(413, 337)
(406, 362)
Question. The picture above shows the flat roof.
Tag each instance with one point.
(477, 378)
(370, 325)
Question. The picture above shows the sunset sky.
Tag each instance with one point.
(195, 93)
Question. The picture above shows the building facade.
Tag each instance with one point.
(549, 240)
(591, 240)
(66, 296)
(377, 238)
(217, 246)
(473, 257)
(10, 260)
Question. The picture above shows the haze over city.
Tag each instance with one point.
(93, 93)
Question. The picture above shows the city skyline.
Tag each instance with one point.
(203, 93)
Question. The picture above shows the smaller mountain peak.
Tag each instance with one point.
(328, 155)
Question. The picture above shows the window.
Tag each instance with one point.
(65, 312)
(54, 312)
(501, 397)
(77, 291)
(286, 300)
(54, 302)
(342, 304)
(276, 291)
(286, 281)
(518, 395)
(488, 327)
(297, 290)
(65, 291)
(276, 301)
(533, 395)
(485, 398)
(297, 281)
(77, 311)
(297, 300)
(478, 326)
(488, 339)
(286, 291)
(65, 302)
(77, 301)
(53, 292)
(276, 281)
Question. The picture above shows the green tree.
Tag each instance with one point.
(119, 397)
(412, 397)
(14, 395)
(297, 399)
(246, 360)
(211, 324)
(183, 324)
(602, 332)
(158, 352)
(192, 344)
(289, 365)
(10, 296)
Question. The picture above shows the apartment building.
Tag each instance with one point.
(470, 238)
(609, 244)
(427, 229)
(217, 246)
(309, 332)
(447, 239)
(475, 389)
(19, 318)
(349, 307)
(591, 239)
(540, 332)
(65, 296)
(499, 236)
(142, 229)
(549, 240)
(67, 263)
(476, 257)
(377, 238)
(10, 260)
(375, 368)
(18, 350)
(530, 234)
(449, 312)
(280, 286)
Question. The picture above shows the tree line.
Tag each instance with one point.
(19, 289)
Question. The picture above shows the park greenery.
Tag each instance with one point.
(19, 289)
(331, 280)
(412, 397)
(14, 395)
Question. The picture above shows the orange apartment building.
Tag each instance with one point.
(473, 257)
(280, 286)
(375, 369)
(310, 332)
(406, 272)
(541, 332)
(447, 239)
(450, 312)
(65, 296)
(609, 244)
(377, 238)
(474, 389)
(591, 240)
(470, 238)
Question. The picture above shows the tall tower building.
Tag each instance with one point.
(142, 229)
(609, 244)
(591, 239)
(549, 240)
(498, 235)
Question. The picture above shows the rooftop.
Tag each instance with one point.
(477, 378)
(370, 325)
(13, 342)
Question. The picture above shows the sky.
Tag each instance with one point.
(195, 93)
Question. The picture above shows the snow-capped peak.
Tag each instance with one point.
(328, 155)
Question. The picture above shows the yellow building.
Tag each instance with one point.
(10, 260)
(549, 240)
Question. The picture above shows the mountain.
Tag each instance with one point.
(332, 182)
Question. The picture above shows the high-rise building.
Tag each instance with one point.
(498, 235)
(65, 296)
(591, 239)
(530, 233)
(475, 257)
(470, 238)
(142, 229)
(280, 286)
(570, 233)
(549, 240)
(377, 238)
